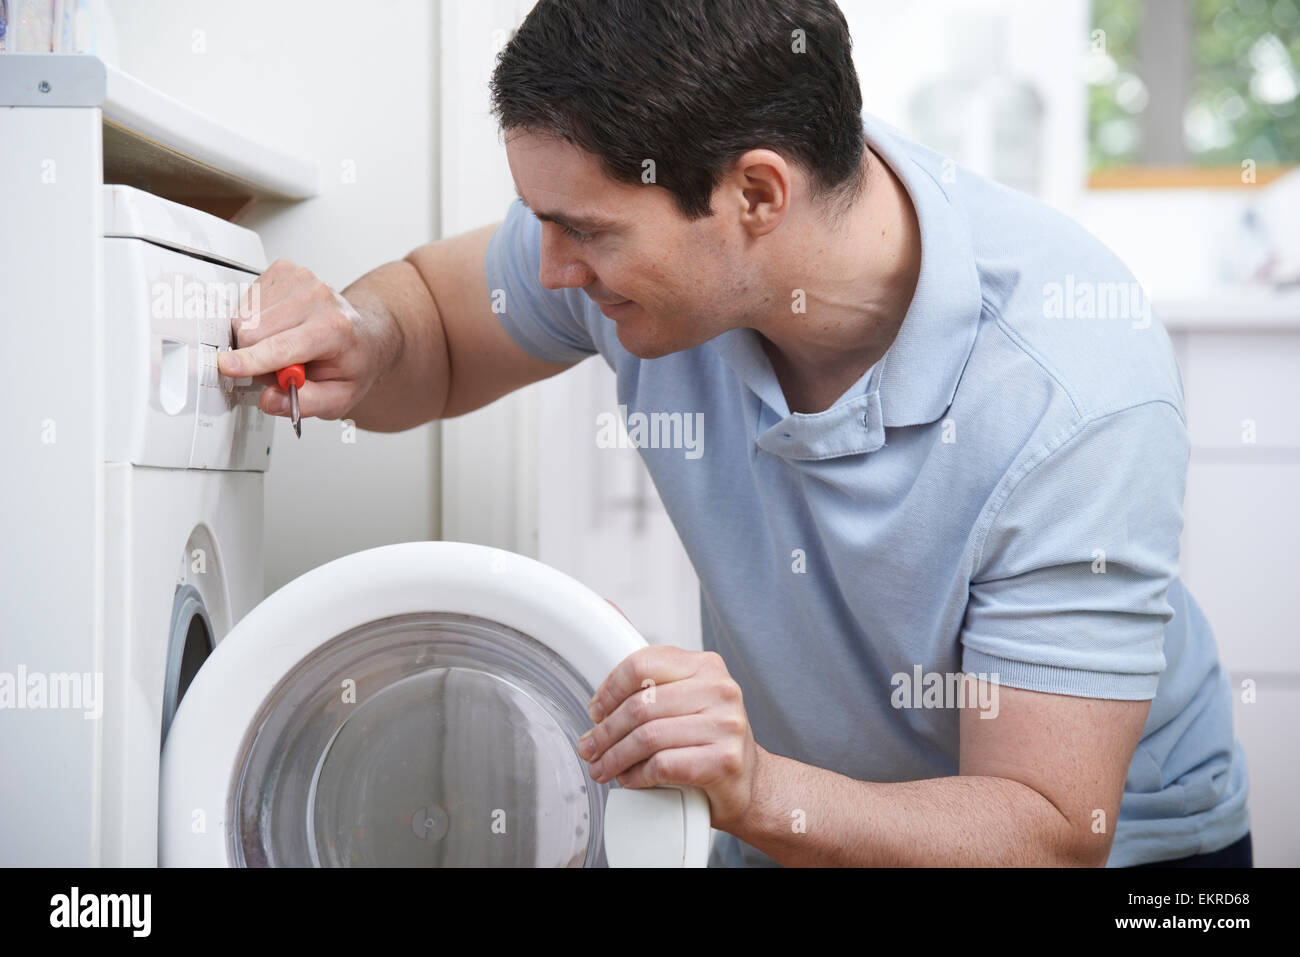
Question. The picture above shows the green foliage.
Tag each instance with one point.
(1245, 59)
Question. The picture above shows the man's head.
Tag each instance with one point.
(663, 142)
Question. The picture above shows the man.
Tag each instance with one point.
(937, 513)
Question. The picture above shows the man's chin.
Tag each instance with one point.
(642, 349)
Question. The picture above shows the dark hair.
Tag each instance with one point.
(690, 84)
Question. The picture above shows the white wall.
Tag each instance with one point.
(489, 475)
(351, 87)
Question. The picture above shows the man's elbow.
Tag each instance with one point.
(1082, 847)
(1075, 838)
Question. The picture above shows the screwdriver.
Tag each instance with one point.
(291, 378)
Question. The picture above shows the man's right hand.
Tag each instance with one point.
(291, 316)
(415, 340)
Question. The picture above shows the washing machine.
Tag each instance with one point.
(185, 452)
(412, 705)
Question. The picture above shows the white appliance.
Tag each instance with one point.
(416, 704)
(184, 452)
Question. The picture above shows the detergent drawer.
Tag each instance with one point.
(167, 315)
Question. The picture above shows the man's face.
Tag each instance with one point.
(667, 282)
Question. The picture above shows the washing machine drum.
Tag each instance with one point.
(413, 705)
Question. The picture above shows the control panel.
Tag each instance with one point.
(167, 316)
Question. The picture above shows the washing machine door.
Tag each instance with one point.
(413, 705)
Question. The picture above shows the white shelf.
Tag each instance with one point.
(154, 142)
(144, 112)
(1247, 308)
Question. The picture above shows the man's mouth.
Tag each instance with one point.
(616, 310)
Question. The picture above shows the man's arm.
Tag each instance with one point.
(1039, 785)
(455, 356)
(408, 342)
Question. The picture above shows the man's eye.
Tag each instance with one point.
(575, 235)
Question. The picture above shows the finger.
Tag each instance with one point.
(666, 700)
(657, 664)
(654, 736)
(252, 322)
(331, 399)
(271, 354)
(697, 766)
(322, 400)
(248, 311)
(254, 302)
(276, 272)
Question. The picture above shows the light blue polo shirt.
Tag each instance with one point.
(1001, 495)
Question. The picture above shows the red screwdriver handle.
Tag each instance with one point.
(294, 374)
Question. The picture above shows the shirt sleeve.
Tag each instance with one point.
(1069, 593)
(547, 323)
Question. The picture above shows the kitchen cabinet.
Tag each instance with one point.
(1239, 355)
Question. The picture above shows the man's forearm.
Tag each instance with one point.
(399, 311)
(808, 816)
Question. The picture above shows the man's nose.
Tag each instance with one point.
(560, 267)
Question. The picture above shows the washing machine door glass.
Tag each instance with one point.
(430, 739)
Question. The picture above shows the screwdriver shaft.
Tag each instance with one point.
(294, 413)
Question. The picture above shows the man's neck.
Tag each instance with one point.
(858, 280)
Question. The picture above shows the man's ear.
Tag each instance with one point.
(760, 184)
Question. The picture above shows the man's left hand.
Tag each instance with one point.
(669, 716)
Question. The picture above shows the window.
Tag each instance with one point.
(1193, 92)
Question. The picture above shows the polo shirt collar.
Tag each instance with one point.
(915, 381)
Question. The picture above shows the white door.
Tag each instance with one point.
(413, 705)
